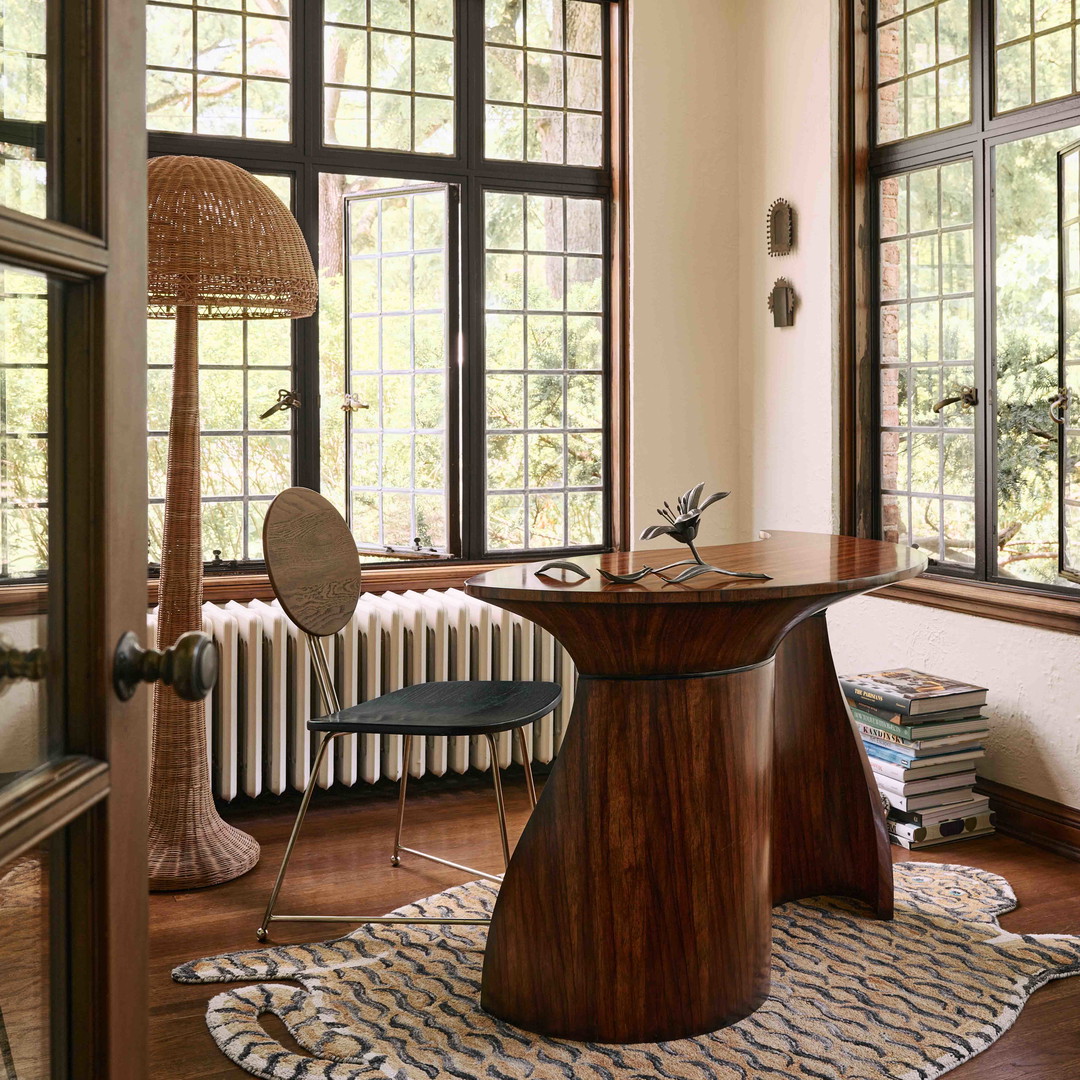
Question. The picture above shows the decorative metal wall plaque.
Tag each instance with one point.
(781, 228)
(782, 303)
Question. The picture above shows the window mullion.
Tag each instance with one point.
(307, 460)
(473, 410)
(986, 411)
(982, 63)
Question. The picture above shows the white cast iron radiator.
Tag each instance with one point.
(255, 718)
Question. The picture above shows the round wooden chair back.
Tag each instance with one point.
(312, 561)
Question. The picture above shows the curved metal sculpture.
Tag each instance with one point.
(682, 526)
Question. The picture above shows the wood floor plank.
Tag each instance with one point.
(342, 864)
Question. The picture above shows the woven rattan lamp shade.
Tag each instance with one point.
(222, 246)
(223, 241)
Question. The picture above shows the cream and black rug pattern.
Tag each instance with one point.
(852, 998)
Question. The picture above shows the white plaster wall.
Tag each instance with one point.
(787, 386)
(684, 257)
(788, 404)
(1033, 675)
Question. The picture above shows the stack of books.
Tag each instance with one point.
(923, 735)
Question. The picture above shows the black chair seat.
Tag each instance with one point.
(446, 708)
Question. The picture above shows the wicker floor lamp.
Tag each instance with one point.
(222, 246)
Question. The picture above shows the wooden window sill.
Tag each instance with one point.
(30, 599)
(1001, 602)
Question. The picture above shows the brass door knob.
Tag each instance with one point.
(190, 667)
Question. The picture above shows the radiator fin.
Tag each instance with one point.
(256, 717)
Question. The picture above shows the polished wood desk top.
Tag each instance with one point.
(799, 564)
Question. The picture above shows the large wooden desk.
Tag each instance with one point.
(685, 803)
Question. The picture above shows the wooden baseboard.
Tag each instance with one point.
(1033, 819)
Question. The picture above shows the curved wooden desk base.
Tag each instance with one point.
(637, 905)
(829, 837)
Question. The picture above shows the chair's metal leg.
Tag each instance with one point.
(530, 783)
(264, 929)
(406, 753)
(500, 802)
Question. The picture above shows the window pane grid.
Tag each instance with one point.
(544, 81)
(219, 69)
(245, 459)
(24, 391)
(927, 296)
(923, 67)
(1035, 52)
(389, 75)
(397, 342)
(544, 372)
(22, 106)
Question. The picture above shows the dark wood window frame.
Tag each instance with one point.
(304, 157)
(1025, 605)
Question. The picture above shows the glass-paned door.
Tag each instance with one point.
(73, 757)
(400, 374)
(1065, 405)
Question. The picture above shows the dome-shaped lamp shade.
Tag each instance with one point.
(222, 241)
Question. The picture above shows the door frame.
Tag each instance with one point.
(93, 247)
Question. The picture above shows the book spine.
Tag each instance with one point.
(887, 753)
(930, 818)
(870, 710)
(917, 746)
(961, 779)
(869, 731)
(884, 727)
(879, 699)
(934, 841)
(903, 802)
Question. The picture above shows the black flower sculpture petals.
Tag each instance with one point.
(682, 526)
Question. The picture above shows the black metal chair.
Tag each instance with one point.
(315, 571)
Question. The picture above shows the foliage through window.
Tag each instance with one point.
(974, 276)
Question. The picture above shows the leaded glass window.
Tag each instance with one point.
(219, 68)
(927, 293)
(1035, 52)
(402, 140)
(923, 67)
(976, 294)
(398, 348)
(389, 71)
(24, 423)
(22, 105)
(544, 338)
(247, 458)
(544, 81)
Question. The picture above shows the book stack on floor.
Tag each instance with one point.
(923, 735)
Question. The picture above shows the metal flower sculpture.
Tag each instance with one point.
(682, 526)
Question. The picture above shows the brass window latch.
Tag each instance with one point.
(352, 403)
(1059, 406)
(968, 398)
(286, 399)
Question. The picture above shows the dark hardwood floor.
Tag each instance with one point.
(344, 866)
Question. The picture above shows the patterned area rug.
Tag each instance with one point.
(852, 998)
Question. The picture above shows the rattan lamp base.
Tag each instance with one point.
(221, 246)
(198, 853)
